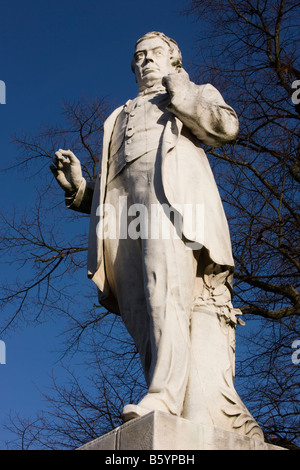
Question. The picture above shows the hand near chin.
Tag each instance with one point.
(175, 83)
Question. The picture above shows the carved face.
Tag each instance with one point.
(152, 62)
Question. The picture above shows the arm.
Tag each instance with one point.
(202, 109)
(81, 200)
(67, 171)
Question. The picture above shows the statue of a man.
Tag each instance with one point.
(168, 271)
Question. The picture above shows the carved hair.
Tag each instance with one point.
(175, 53)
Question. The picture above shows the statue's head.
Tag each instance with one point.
(156, 55)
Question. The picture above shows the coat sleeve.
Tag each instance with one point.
(81, 201)
(203, 110)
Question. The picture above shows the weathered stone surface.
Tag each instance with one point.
(161, 431)
(159, 248)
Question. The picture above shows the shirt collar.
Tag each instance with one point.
(151, 90)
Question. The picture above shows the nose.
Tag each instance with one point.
(149, 57)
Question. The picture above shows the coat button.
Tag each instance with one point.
(129, 132)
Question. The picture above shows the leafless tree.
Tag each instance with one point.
(248, 50)
(45, 243)
(251, 54)
(78, 410)
(46, 246)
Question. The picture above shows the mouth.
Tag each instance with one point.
(148, 71)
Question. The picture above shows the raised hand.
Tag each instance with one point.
(67, 170)
(176, 83)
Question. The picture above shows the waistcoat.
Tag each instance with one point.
(138, 129)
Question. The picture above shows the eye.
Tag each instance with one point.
(139, 56)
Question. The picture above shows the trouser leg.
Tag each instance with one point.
(170, 274)
(125, 277)
(153, 282)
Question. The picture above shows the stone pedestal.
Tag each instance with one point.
(161, 431)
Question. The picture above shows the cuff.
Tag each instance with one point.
(74, 200)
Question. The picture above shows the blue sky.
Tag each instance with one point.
(52, 51)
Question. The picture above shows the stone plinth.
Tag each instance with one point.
(161, 431)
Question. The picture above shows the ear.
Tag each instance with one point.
(177, 65)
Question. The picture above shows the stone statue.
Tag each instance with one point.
(159, 244)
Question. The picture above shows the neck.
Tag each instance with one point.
(152, 88)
